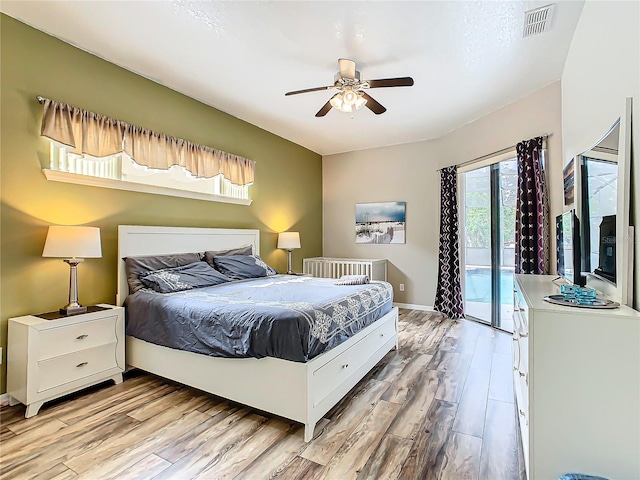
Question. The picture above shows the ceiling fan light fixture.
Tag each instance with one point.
(336, 101)
(345, 107)
(349, 96)
(360, 102)
(348, 100)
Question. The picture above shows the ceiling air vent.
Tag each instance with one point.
(538, 20)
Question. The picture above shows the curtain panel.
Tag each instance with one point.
(532, 210)
(99, 136)
(449, 290)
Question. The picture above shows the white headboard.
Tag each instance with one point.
(143, 240)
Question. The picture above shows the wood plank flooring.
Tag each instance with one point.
(441, 407)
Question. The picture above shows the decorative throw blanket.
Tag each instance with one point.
(353, 280)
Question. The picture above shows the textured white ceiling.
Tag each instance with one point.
(467, 58)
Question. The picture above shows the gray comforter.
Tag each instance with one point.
(290, 317)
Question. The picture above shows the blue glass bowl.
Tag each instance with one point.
(568, 291)
(585, 293)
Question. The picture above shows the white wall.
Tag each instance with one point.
(408, 173)
(405, 173)
(601, 70)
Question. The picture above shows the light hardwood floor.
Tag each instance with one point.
(441, 407)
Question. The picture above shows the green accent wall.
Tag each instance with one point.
(287, 194)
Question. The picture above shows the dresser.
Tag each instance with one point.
(51, 355)
(576, 375)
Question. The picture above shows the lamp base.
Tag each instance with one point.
(289, 262)
(73, 309)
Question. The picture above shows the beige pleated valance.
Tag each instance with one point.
(99, 136)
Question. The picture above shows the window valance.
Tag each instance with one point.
(99, 136)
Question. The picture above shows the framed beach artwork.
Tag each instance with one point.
(378, 223)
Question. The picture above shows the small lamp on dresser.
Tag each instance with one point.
(289, 241)
(73, 244)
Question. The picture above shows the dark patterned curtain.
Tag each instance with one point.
(449, 292)
(532, 210)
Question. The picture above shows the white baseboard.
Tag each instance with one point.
(4, 399)
(411, 306)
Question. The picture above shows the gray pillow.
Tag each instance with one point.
(210, 254)
(135, 266)
(186, 277)
(239, 267)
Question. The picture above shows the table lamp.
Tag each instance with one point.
(289, 241)
(73, 244)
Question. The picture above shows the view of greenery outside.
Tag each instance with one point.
(478, 212)
(479, 293)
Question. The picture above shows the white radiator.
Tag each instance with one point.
(375, 269)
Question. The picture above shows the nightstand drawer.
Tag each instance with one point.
(78, 336)
(74, 366)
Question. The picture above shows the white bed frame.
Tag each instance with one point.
(302, 392)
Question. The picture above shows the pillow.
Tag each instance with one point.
(353, 280)
(239, 267)
(208, 255)
(135, 266)
(186, 277)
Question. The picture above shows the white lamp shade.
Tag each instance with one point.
(72, 242)
(349, 96)
(289, 240)
(360, 102)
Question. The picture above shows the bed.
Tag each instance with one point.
(300, 390)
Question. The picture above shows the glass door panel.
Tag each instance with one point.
(489, 243)
(477, 244)
(508, 180)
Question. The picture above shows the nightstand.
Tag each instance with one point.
(50, 355)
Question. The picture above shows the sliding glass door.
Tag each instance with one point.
(488, 232)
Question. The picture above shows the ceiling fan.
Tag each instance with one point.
(351, 90)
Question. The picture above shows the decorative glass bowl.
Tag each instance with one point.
(581, 295)
(568, 290)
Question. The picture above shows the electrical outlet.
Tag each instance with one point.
(402, 287)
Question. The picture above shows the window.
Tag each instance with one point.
(120, 167)
(91, 149)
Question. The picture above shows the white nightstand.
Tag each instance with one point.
(50, 355)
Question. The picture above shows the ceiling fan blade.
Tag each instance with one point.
(325, 108)
(391, 82)
(347, 68)
(307, 90)
(373, 105)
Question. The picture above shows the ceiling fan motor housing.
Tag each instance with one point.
(341, 80)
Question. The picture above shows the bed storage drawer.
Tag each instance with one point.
(340, 368)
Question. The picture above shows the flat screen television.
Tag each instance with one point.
(568, 248)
